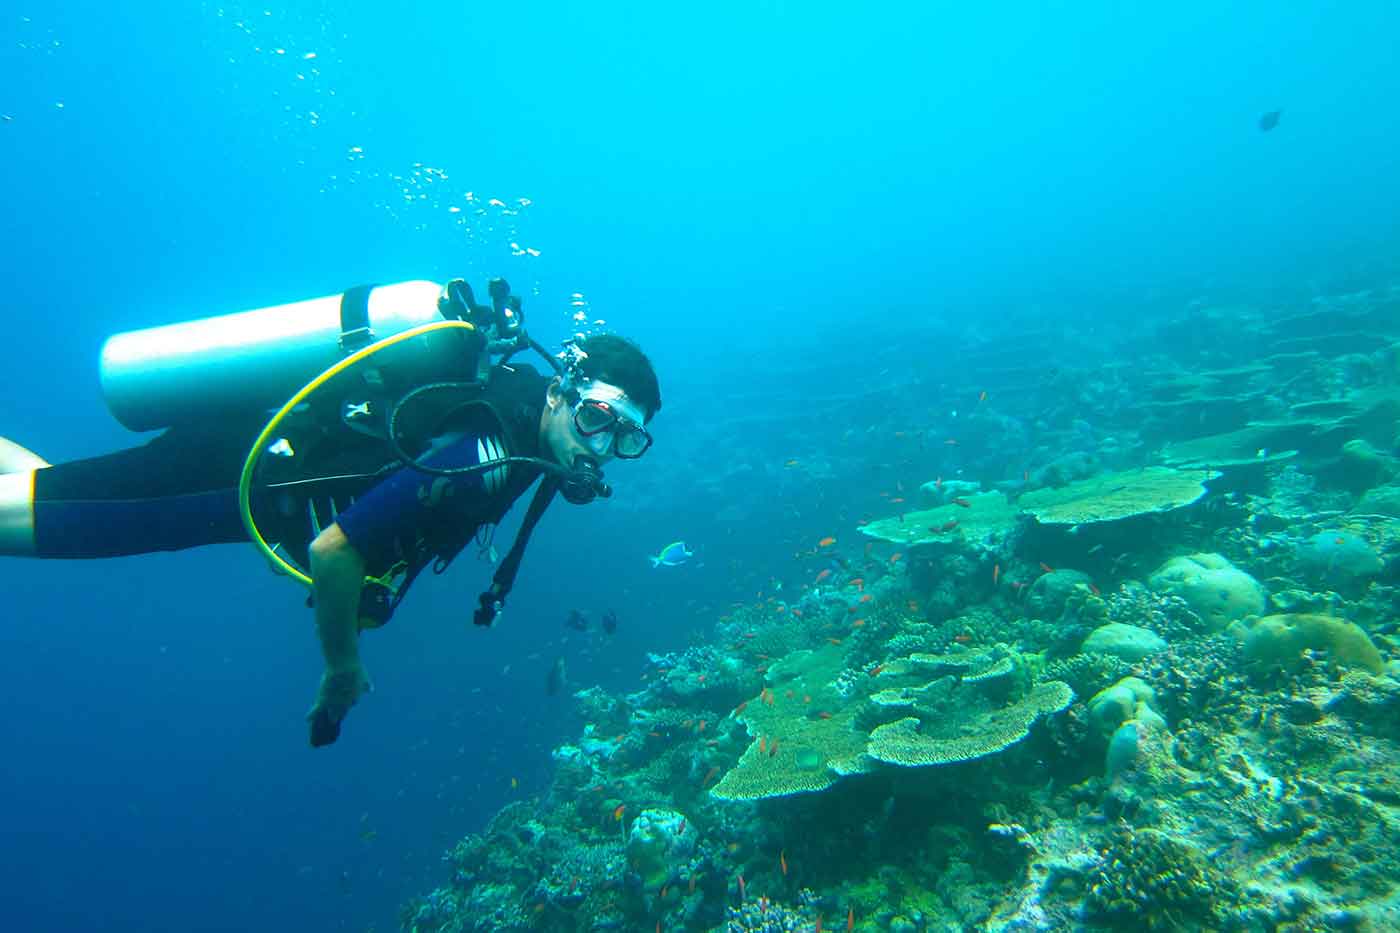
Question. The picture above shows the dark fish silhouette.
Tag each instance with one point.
(577, 621)
(1269, 120)
(556, 680)
(610, 621)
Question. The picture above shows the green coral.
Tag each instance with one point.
(805, 732)
(1215, 589)
(1147, 880)
(1112, 496)
(1280, 640)
(985, 513)
(959, 730)
(1088, 673)
(961, 705)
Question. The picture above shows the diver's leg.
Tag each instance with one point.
(17, 514)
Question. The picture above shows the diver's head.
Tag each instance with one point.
(598, 410)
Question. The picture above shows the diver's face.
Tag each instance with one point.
(557, 434)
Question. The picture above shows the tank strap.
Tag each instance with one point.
(355, 332)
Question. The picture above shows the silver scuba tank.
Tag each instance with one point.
(247, 360)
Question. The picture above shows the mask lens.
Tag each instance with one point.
(593, 417)
(632, 442)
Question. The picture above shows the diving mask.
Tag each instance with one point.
(609, 422)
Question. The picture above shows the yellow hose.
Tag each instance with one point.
(245, 481)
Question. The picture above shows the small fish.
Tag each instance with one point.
(951, 442)
(790, 463)
(865, 598)
(772, 748)
(875, 671)
(742, 887)
(782, 861)
(962, 638)
(823, 715)
(828, 541)
(617, 813)
(1269, 120)
(1095, 590)
(609, 622)
(896, 557)
(944, 528)
(661, 896)
(824, 575)
(710, 776)
(1046, 568)
(680, 828)
(740, 708)
(672, 555)
(514, 783)
(857, 623)
(762, 744)
(850, 919)
(962, 503)
(576, 620)
(996, 573)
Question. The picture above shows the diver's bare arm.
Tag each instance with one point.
(337, 574)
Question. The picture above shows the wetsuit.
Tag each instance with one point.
(180, 490)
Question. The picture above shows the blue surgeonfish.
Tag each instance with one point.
(672, 555)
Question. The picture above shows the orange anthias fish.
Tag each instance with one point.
(850, 919)
(710, 776)
(944, 528)
(962, 503)
(617, 813)
(996, 573)
(782, 861)
(1046, 568)
(741, 887)
(828, 541)
(896, 557)
(824, 575)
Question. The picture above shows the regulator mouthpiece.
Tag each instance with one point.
(584, 482)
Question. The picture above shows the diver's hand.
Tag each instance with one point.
(338, 692)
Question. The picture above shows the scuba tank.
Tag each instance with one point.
(249, 360)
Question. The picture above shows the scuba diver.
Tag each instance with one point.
(414, 436)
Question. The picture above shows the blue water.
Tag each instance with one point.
(754, 191)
